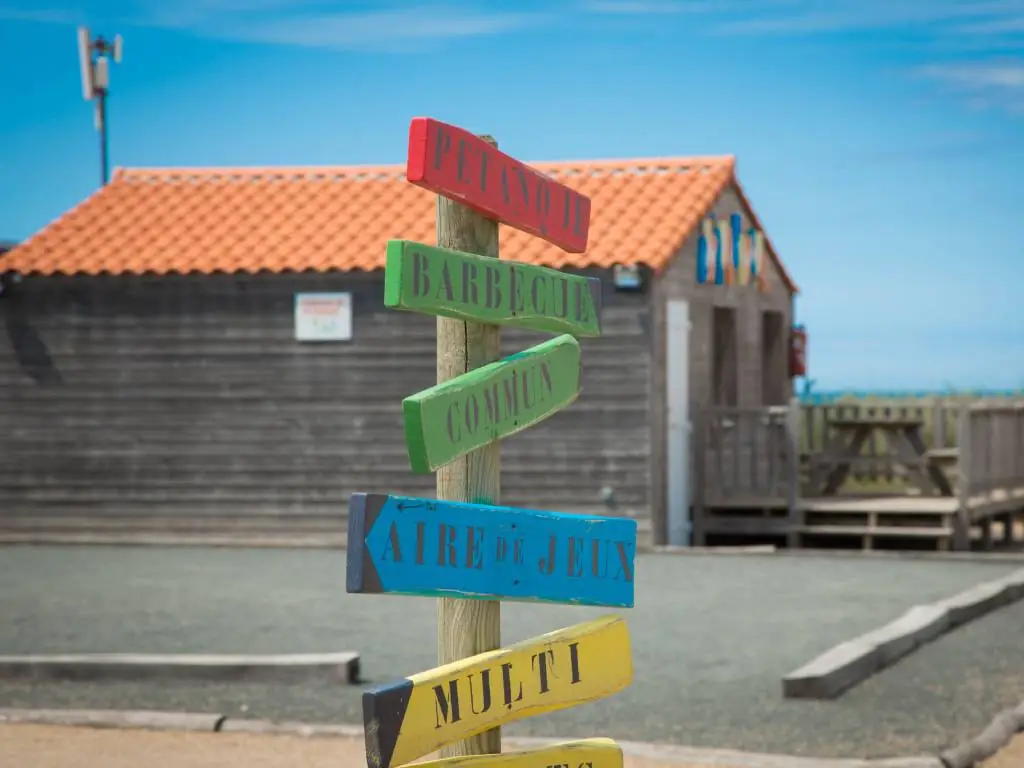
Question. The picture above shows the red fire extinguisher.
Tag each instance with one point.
(798, 352)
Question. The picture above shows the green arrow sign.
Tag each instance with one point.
(491, 402)
(465, 286)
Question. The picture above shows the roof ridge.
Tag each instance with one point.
(566, 166)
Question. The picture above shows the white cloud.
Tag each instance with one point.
(983, 85)
(647, 7)
(309, 23)
(803, 17)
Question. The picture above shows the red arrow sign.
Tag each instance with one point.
(455, 163)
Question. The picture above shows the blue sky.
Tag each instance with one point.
(881, 141)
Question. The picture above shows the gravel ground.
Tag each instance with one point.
(712, 638)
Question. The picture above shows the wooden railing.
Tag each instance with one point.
(762, 453)
(991, 450)
(745, 453)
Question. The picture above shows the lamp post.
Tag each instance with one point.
(94, 61)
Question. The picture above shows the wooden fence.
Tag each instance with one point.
(750, 454)
(992, 448)
(745, 454)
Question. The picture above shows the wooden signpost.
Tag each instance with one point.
(414, 716)
(462, 545)
(407, 546)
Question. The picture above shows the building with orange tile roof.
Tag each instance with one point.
(153, 365)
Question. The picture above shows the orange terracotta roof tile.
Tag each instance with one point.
(295, 219)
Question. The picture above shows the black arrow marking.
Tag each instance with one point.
(384, 711)
(361, 574)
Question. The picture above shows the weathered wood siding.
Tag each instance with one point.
(189, 394)
(679, 281)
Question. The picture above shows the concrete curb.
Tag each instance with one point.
(214, 723)
(102, 718)
(853, 661)
(997, 735)
(343, 666)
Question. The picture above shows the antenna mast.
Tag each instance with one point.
(94, 62)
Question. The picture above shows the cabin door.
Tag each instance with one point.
(678, 387)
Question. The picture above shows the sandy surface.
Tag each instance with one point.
(1011, 757)
(46, 746)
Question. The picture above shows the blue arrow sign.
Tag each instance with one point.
(409, 546)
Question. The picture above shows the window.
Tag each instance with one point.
(774, 371)
(725, 358)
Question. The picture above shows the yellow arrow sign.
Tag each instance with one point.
(414, 716)
(586, 753)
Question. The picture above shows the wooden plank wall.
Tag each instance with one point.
(188, 395)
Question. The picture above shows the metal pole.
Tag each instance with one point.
(104, 166)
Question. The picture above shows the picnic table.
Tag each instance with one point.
(905, 439)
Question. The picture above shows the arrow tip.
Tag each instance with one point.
(383, 712)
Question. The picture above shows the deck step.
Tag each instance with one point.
(937, 532)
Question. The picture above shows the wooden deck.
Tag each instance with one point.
(753, 487)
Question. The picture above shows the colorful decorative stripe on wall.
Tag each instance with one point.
(728, 255)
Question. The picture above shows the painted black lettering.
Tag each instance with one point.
(511, 394)
(524, 383)
(516, 299)
(453, 420)
(524, 186)
(470, 290)
(472, 414)
(537, 297)
(518, 555)
(579, 214)
(420, 274)
(545, 377)
(504, 186)
(446, 284)
(446, 554)
(582, 292)
(484, 157)
(445, 705)
(575, 557)
(625, 567)
(485, 684)
(560, 290)
(474, 553)
(392, 545)
(574, 661)
(546, 565)
(506, 684)
(492, 287)
(442, 144)
(540, 664)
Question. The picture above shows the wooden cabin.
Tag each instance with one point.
(206, 351)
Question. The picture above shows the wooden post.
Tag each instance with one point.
(962, 522)
(795, 518)
(468, 627)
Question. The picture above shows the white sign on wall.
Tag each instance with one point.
(323, 316)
